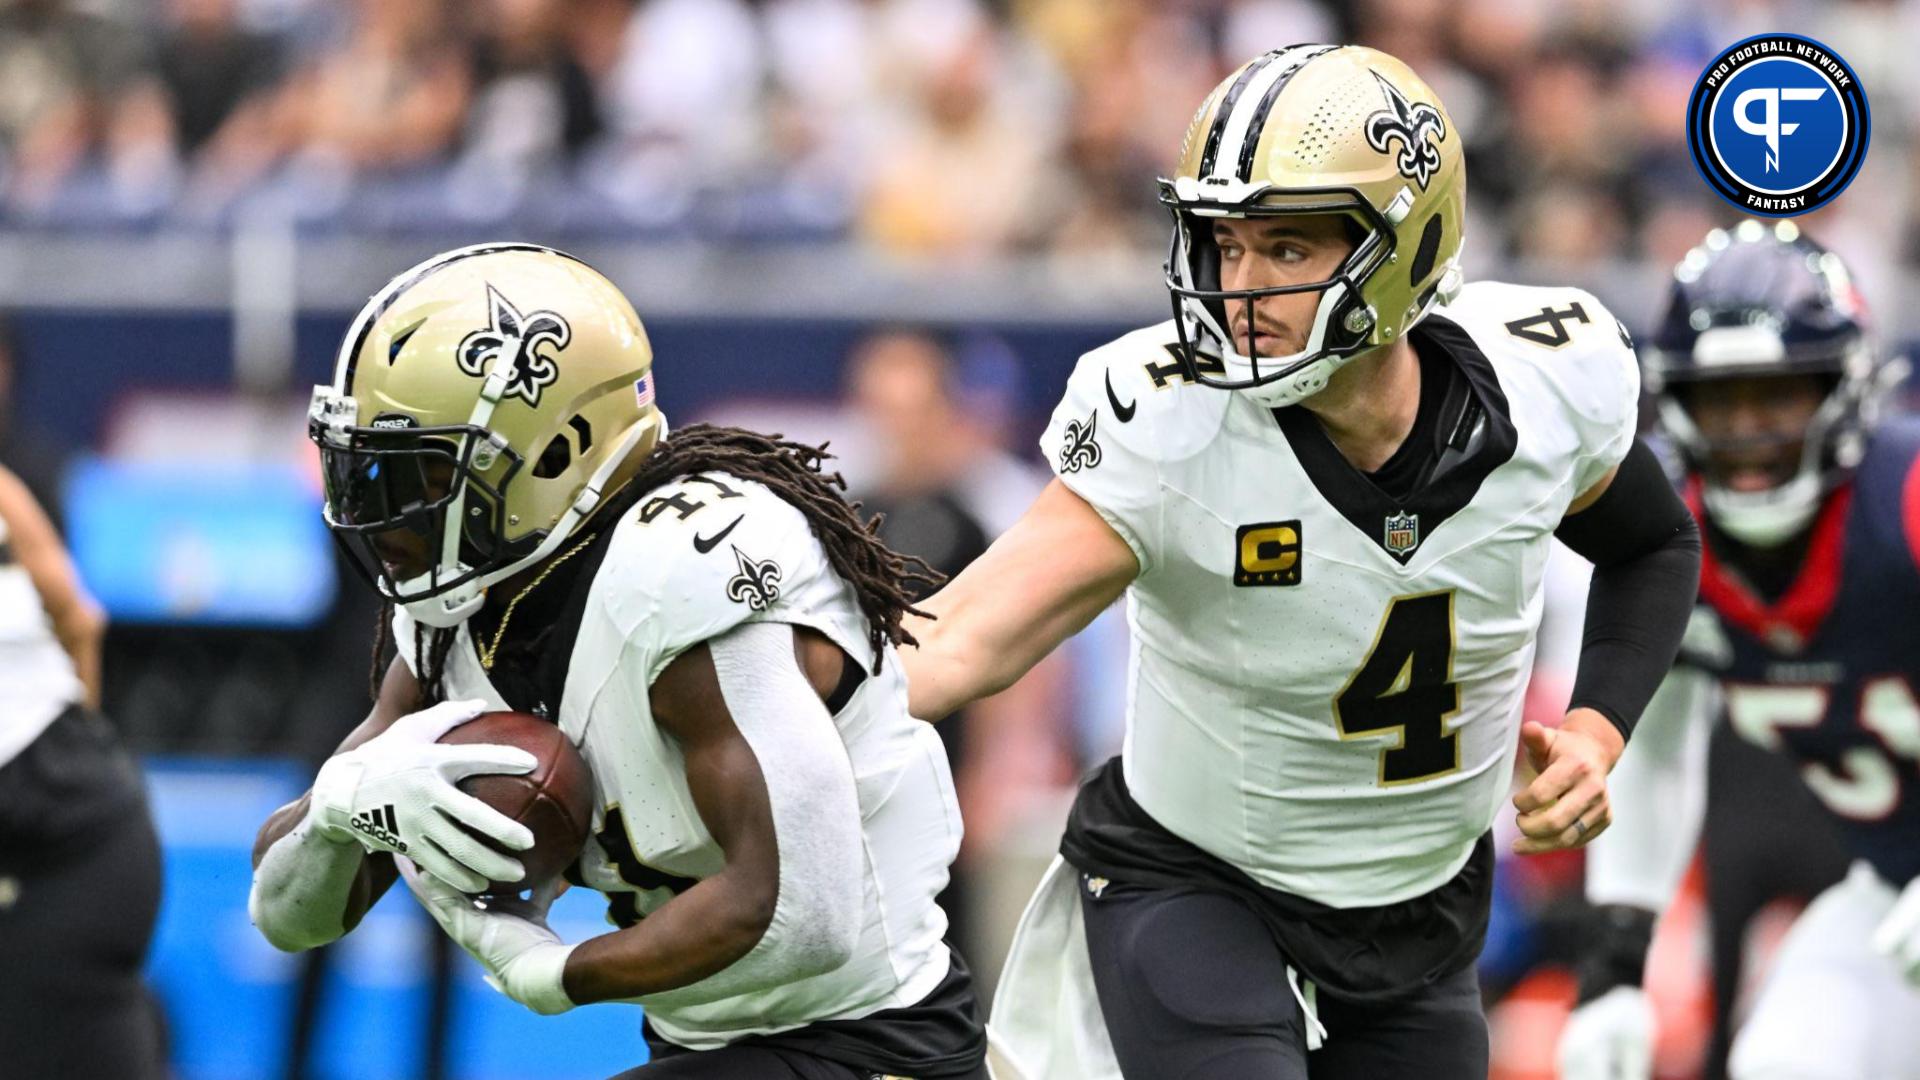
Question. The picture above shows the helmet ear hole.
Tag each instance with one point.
(1424, 255)
(1205, 255)
(554, 459)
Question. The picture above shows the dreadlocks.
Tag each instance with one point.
(430, 651)
(883, 580)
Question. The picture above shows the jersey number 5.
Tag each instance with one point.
(1864, 782)
(1406, 686)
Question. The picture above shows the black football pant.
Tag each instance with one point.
(1194, 987)
(79, 892)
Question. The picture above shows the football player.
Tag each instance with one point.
(1327, 488)
(79, 861)
(704, 618)
(1770, 387)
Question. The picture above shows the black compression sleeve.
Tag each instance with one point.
(1645, 551)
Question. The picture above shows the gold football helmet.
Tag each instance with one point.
(482, 405)
(1317, 129)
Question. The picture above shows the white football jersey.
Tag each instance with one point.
(1325, 684)
(696, 558)
(37, 680)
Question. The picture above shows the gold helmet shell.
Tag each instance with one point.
(1317, 129)
(484, 401)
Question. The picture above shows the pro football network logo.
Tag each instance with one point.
(1778, 125)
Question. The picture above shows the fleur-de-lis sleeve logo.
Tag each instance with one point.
(1417, 126)
(516, 339)
(1079, 451)
(757, 585)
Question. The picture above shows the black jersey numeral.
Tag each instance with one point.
(624, 907)
(1406, 686)
(1557, 322)
(1175, 369)
(726, 490)
(682, 506)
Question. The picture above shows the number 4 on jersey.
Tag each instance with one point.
(1550, 327)
(1406, 686)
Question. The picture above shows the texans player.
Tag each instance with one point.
(1770, 389)
(703, 616)
(1327, 489)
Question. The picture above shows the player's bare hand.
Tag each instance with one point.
(1566, 804)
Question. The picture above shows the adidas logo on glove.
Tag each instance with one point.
(381, 825)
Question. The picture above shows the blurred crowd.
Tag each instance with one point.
(950, 129)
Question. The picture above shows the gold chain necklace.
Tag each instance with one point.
(493, 648)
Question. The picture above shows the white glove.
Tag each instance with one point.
(1898, 938)
(523, 959)
(1609, 1038)
(396, 792)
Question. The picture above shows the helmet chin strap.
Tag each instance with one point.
(454, 606)
(1312, 376)
(446, 610)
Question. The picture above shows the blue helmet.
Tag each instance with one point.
(1765, 300)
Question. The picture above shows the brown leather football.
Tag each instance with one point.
(555, 800)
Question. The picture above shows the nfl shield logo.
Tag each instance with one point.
(1403, 533)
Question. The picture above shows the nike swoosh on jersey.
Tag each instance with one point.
(1124, 412)
(704, 544)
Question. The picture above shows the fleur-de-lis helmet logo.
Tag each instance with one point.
(516, 339)
(1417, 125)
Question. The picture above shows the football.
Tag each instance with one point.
(555, 800)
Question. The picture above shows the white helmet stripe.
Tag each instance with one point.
(1249, 104)
(1298, 59)
(1221, 111)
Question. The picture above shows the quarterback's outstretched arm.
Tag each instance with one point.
(1040, 583)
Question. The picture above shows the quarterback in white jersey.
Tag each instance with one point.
(1327, 489)
(703, 617)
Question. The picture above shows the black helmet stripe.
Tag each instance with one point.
(1252, 139)
(1220, 115)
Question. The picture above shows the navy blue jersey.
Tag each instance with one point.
(1829, 672)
